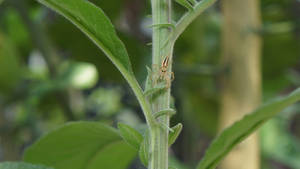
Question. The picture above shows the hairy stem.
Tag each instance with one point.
(161, 13)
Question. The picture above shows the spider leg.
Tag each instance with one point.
(172, 76)
(169, 77)
(166, 79)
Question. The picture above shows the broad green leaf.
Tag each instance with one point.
(92, 21)
(130, 135)
(81, 145)
(233, 135)
(174, 135)
(21, 165)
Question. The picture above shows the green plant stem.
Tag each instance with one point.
(161, 13)
(188, 18)
(141, 99)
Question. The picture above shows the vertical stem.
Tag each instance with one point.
(242, 83)
(161, 13)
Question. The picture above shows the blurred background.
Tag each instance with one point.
(50, 73)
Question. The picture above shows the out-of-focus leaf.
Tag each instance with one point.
(37, 66)
(16, 30)
(233, 135)
(94, 23)
(80, 75)
(175, 163)
(79, 145)
(275, 46)
(105, 101)
(9, 65)
(21, 165)
(278, 143)
(130, 135)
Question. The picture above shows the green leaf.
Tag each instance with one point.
(233, 135)
(174, 135)
(185, 3)
(21, 165)
(81, 145)
(92, 21)
(130, 135)
(144, 153)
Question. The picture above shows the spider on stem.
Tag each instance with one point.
(163, 73)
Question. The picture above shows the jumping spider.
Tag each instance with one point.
(163, 73)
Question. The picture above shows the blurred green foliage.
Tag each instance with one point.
(10, 70)
(86, 86)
